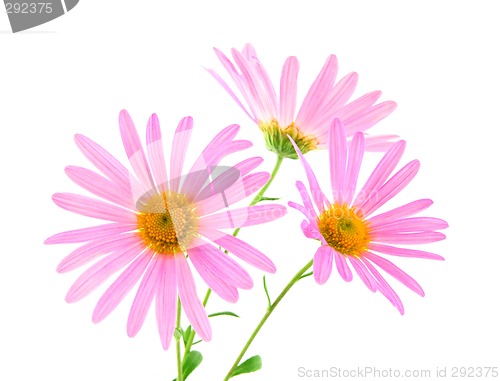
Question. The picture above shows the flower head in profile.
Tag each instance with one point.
(345, 226)
(160, 225)
(326, 99)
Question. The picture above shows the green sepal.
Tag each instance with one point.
(178, 333)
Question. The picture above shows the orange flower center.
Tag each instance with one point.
(167, 222)
(344, 230)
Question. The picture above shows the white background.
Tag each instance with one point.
(438, 60)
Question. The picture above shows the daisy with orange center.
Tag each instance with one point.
(326, 99)
(159, 223)
(345, 227)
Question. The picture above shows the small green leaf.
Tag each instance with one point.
(186, 335)
(252, 364)
(193, 359)
(228, 313)
(269, 198)
(306, 275)
(197, 342)
(267, 292)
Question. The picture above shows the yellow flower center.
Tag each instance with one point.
(344, 230)
(167, 222)
(277, 140)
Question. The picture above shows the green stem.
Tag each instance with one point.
(178, 341)
(268, 313)
(255, 200)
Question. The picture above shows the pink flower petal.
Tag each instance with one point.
(104, 161)
(358, 106)
(338, 97)
(410, 225)
(322, 263)
(100, 186)
(356, 150)
(220, 265)
(384, 287)
(380, 174)
(166, 299)
(337, 149)
(379, 143)
(236, 192)
(396, 272)
(231, 93)
(196, 181)
(90, 207)
(402, 252)
(98, 273)
(217, 283)
(311, 231)
(308, 206)
(255, 91)
(133, 148)
(391, 188)
(288, 91)
(373, 115)
(91, 233)
(241, 217)
(143, 298)
(190, 301)
(408, 238)
(298, 207)
(179, 149)
(240, 249)
(215, 147)
(318, 92)
(96, 248)
(156, 155)
(406, 210)
(267, 84)
(121, 286)
(363, 273)
(248, 165)
(342, 267)
(242, 85)
(317, 195)
(249, 52)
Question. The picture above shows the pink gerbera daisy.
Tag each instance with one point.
(157, 221)
(348, 232)
(324, 101)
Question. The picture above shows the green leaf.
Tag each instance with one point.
(228, 313)
(252, 364)
(269, 198)
(306, 275)
(191, 362)
(186, 335)
(267, 292)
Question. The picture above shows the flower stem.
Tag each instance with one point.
(268, 313)
(178, 342)
(256, 199)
